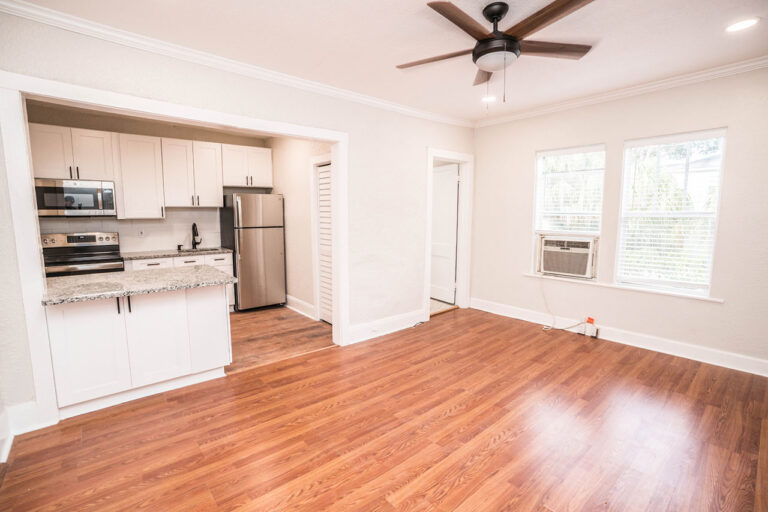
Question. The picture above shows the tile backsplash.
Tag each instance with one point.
(150, 234)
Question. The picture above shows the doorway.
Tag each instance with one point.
(449, 194)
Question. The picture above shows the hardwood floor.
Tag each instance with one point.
(268, 335)
(468, 412)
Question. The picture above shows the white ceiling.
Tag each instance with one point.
(355, 45)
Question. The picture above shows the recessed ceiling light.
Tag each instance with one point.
(741, 25)
(489, 99)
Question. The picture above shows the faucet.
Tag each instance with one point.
(196, 240)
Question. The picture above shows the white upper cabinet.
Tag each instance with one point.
(51, 148)
(140, 177)
(178, 172)
(92, 152)
(71, 153)
(246, 166)
(207, 175)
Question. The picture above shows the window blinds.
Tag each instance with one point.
(569, 190)
(669, 210)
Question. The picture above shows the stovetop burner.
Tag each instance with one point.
(68, 254)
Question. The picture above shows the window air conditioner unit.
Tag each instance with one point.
(571, 256)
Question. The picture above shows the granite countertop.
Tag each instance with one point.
(108, 285)
(172, 253)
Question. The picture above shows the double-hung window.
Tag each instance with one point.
(569, 190)
(670, 199)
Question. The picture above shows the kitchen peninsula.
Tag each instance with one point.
(118, 336)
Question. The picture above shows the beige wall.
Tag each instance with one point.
(387, 150)
(291, 172)
(503, 215)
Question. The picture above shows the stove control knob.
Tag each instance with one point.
(45, 240)
(101, 238)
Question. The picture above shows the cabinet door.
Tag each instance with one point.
(92, 154)
(230, 287)
(140, 178)
(51, 148)
(178, 173)
(208, 188)
(260, 167)
(234, 166)
(209, 340)
(158, 337)
(88, 349)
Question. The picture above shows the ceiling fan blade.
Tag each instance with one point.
(461, 19)
(481, 77)
(557, 50)
(544, 17)
(434, 59)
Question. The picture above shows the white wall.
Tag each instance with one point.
(387, 182)
(166, 233)
(503, 215)
(292, 178)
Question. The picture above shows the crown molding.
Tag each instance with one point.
(635, 90)
(89, 28)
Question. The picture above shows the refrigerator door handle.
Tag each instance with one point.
(239, 213)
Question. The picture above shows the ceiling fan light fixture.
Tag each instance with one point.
(488, 99)
(741, 25)
(496, 61)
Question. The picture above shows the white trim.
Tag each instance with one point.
(572, 150)
(676, 138)
(133, 394)
(300, 306)
(13, 88)
(382, 326)
(635, 90)
(664, 345)
(6, 437)
(626, 287)
(464, 232)
(130, 39)
(314, 217)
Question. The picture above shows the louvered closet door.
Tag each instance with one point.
(324, 242)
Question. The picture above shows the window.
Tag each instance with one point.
(669, 208)
(569, 190)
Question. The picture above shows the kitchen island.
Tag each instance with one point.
(123, 335)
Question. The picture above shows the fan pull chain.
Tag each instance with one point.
(504, 95)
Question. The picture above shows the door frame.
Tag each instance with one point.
(314, 215)
(466, 164)
(15, 88)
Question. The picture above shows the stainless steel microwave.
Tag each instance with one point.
(74, 198)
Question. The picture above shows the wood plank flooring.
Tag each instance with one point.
(267, 335)
(468, 412)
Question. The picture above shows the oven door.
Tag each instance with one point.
(74, 198)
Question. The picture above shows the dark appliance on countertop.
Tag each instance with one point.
(252, 226)
(67, 254)
(75, 198)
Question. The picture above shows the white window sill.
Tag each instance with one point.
(625, 287)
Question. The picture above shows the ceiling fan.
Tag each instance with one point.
(495, 50)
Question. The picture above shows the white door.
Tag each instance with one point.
(445, 207)
(158, 336)
(178, 173)
(234, 161)
(88, 349)
(92, 152)
(324, 242)
(51, 148)
(260, 167)
(208, 188)
(140, 177)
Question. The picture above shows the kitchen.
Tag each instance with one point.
(153, 232)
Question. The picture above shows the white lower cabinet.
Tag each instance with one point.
(158, 336)
(89, 349)
(103, 347)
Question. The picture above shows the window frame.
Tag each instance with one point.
(664, 286)
(587, 148)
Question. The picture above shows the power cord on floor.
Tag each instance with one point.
(554, 318)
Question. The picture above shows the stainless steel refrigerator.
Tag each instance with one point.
(252, 226)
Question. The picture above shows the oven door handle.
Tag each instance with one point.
(84, 266)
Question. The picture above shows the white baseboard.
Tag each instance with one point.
(6, 437)
(133, 394)
(300, 306)
(708, 355)
(366, 331)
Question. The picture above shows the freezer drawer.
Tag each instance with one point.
(260, 267)
(258, 210)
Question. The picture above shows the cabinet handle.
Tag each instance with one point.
(70, 172)
(251, 180)
(246, 180)
(193, 199)
(218, 259)
(162, 211)
(78, 171)
(190, 261)
(117, 299)
(198, 200)
(152, 264)
(129, 304)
